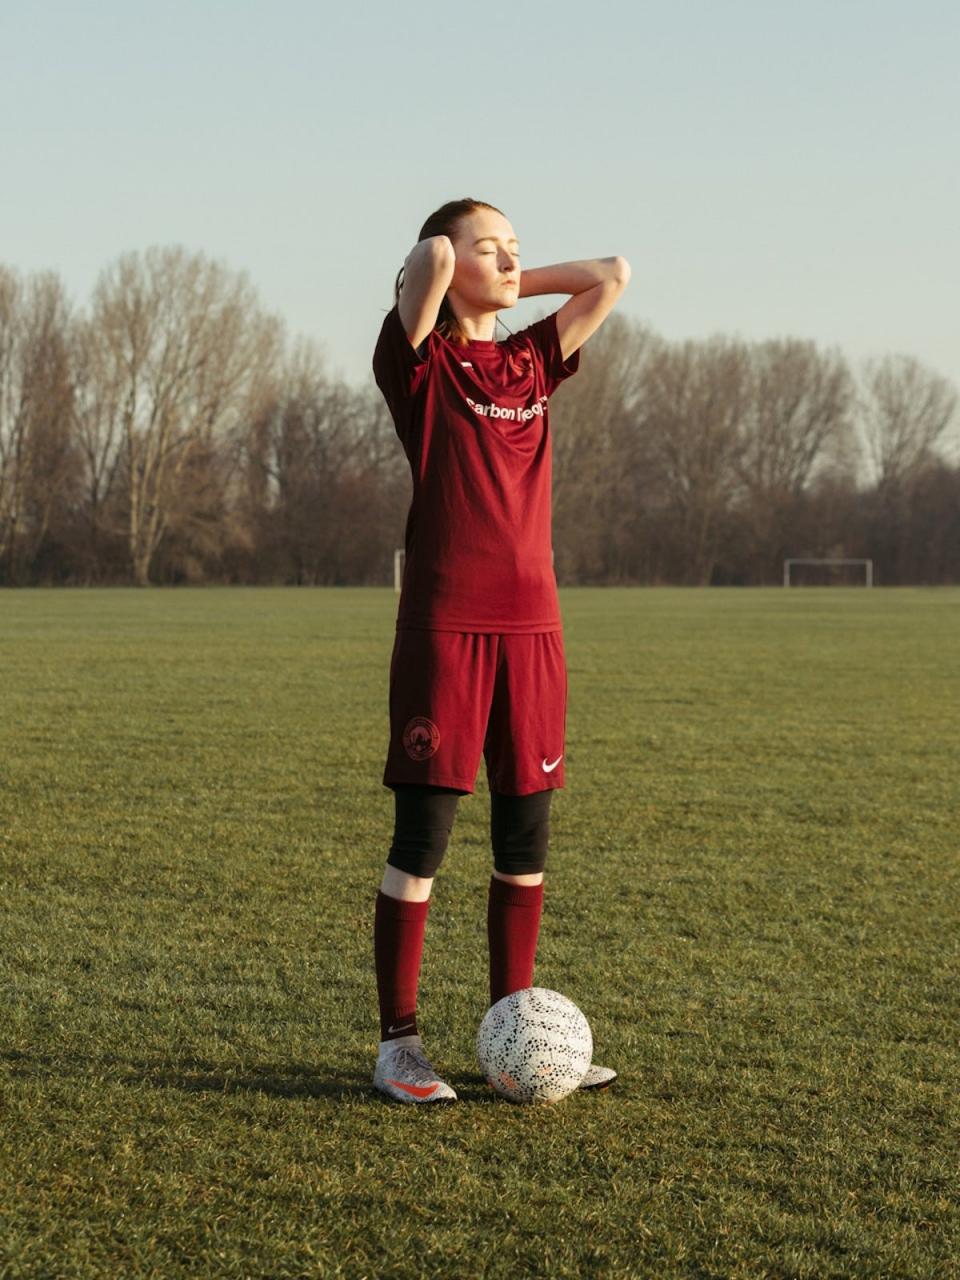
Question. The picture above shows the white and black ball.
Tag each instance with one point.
(534, 1046)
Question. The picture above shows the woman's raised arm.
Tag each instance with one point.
(595, 284)
(427, 273)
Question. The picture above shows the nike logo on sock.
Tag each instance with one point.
(549, 768)
(418, 1090)
(406, 1027)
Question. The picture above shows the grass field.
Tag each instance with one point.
(753, 893)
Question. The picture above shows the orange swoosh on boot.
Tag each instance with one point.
(418, 1090)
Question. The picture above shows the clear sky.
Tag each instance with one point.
(769, 167)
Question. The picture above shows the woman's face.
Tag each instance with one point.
(486, 275)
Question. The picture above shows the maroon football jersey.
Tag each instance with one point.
(474, 425)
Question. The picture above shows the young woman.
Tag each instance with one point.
(478, 665)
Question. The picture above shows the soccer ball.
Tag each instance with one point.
(534, 1046)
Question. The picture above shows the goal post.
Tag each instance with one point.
(399, 559)
(867, 566)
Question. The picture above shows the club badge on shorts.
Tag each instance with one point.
(421, 738)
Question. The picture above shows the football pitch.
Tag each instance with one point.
(753, 893)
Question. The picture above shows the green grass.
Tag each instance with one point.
(753, 893)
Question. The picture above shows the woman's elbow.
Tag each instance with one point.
(437, 250)
(621, 271)
(441, 250)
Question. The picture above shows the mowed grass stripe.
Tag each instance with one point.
(752, 893)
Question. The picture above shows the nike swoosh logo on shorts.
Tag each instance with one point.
(549, 768)
(418, 1090)
(406, 1027)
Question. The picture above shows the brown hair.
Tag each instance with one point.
(443, 222)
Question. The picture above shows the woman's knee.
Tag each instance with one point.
(520, 832)
(422, 825)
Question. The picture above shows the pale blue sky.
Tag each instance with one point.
(768, 168)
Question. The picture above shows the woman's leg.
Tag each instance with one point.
(423, 821)
(519, 833)
(424, 817)
(520, 829)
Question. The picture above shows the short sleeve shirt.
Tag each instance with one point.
(474, 424)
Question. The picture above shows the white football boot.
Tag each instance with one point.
(597, 1078)
(404, 1074)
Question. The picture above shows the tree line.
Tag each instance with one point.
(173, 432)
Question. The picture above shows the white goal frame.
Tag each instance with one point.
(399, 559)
(868, 566)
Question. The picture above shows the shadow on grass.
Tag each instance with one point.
(192, 1075)
(474, 1088)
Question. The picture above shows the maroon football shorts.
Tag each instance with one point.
(455, 696)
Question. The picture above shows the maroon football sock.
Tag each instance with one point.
(513, 923)
(398, 947)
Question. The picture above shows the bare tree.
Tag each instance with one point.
(35, 408)
(178, 341)
(325, 478)
(13, 414)
(696, 396)
(599, 457)
(98, 419)
(905, 410)
(796, 419)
